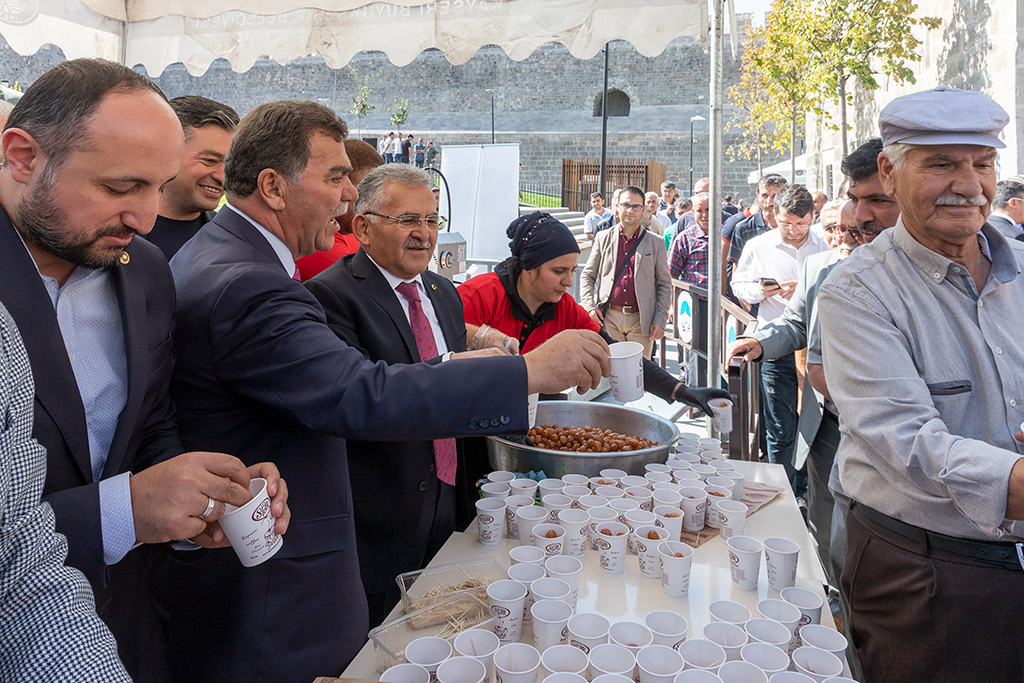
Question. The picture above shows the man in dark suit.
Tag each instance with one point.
(1008, 208)
(96, 309)
(400, 524)
(261, 374)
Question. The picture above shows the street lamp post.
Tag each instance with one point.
(698, 117)
(491, 93)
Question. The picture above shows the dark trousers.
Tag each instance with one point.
(919, 614)
(819, 499)
(778, 401)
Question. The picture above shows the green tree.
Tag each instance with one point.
(758, 121)
(399, 113)
(361, 106)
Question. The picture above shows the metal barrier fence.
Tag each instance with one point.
(689, 331)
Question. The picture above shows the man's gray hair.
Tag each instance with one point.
(699, 197)
(373, 186)
(668, 184)
(897, 152)
(652, 194)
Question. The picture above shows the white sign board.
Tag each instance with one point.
(484, 185)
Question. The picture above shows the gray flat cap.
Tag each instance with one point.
(943, 116)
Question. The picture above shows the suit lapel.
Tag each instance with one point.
(377, 287)
(56, 389)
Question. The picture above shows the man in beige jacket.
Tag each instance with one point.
(634, 305)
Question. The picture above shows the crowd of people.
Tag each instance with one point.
(155, 356)
(394, 149)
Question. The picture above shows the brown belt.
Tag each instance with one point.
(628, 310)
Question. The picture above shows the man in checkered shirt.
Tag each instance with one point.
(49, 630)
(688, 261)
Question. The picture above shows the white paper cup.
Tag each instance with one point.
(575, 492)
(647, 549)
(478, 644)
(507, 599)
(695, 501)
(611, 548)
(675, 463)
(780, 555)
(250, 528)
(527, 554)
(721, 415)
(613, 678)
(526, 574)
(517, 663)
(405, 673)
(511, 523)
(668, 628)
(564, 659)
(687, 478)
(807, 601)
(550, 619)
(781, 611)
(634, 481)
(597, 481)
(461, 670)
(709, 441)
(612, 473)
(729, 636)
(704, 471)
(568, 569)
(490, 520)
(627, 371)
(428, 652)
(633, 519)
(575, 522)
(732, 518)
(550, 588)
(769, 631)
(501, 477)
(667, 497)
(491, 490)
(817, 663)
(610, 658)
(840, 679)
(696, 676)
(658, 664)
(744, 561)
(670, 518)
(598, 515)
(722, 482)
(824, 638)
(741, 672)
(554, 503)
(588, 630)
(657, 477)
(623, 505)
(592, 501)
(550, 485)
(528, 517)
(790, 677)
(609, 492)
(768, 658)
(657, 467)
(550, 537)
(523, 487)
(729, 611)
(563, 677)
(738, 477)
(700, 653)
(723, 466)
(531, 409)
(715, 494)
(573, 479)
(664, 486)
(631, 635)
(676, 562)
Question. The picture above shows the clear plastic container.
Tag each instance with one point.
(445, 618)
(425, 586)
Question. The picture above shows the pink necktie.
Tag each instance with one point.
(444, 449)
(296, 276)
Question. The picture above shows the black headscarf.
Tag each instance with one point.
(537, 238)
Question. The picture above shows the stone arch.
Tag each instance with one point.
(618, 103)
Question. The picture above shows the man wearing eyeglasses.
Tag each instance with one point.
(625, 285)
(829, 223)
(376, 301)
(1008, 208)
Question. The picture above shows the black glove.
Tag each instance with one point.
(699, 397)
(521, 438)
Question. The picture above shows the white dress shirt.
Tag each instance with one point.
(428, 307)
(767, 255)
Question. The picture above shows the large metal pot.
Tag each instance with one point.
(507, 455)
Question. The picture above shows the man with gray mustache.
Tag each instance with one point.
(922, 352)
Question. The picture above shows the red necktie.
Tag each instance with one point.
(444, 449)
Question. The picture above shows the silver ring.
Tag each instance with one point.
(208, 510)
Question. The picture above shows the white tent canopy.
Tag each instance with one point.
(155, 33)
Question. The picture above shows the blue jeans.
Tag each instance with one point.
(778, 400)
(389, 158)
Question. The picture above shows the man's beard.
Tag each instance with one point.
(44, 225)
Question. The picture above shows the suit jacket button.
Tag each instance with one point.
(495, 422)
(505, 420)
(423, 486)
(472, 424)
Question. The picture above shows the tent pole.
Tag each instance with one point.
(604, 127)
(715, 125)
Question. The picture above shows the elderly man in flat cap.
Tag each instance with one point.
(923, 344)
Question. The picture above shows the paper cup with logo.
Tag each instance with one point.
(250, 528)
(588, 630)
(526, 574)
(492, 490)
(744, 561)
(729, 611)
(676, 561)
(729, 636)
(478, 644)
(786, 614)
(721, 415)
(627, 371)
(780, 556)
(667, 627)
(769, 631)
(715, 494)
(550, 623)
(695, 501)
(719, 480)
(768, 658)
(817, 663)
(610, 658)
(644, 496)
(529, 517)
(732, 518)
(561, 658)
(523, 487)
(598, 515)
(490, 520)
(554, 503)
(658, 664)
(575, 492)
(623, 505)
(647, 538)
(568, 569)
(633, 519)
(428, 652)
(405, 673)
(506, 599)
(701, 653)
(511, 523)
(461, 670)
(575, 522)
(670, 518)
(611, 548)
(738, 477)
(550, 537)
(517, 663)
(816, 635)
(736, 671)
(807, 601)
